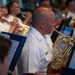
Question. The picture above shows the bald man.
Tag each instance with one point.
(37, 52)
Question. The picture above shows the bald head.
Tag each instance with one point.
(41, 14)
(42, 20)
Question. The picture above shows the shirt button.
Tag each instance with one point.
(41, 40)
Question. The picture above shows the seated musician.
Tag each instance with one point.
(14, 9)
(70, 11)
(37, 53)
(4, 25)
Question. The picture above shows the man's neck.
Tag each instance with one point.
(13, 14)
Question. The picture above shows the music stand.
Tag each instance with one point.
(14, 53)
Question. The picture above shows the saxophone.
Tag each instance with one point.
(62, 49)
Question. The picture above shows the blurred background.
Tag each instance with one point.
(32, 4)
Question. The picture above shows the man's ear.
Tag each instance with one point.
(11, 8)
(43, 24)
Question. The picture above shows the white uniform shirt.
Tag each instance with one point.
(12, 17)
(4, 26)
(36, 54)
(71, 14)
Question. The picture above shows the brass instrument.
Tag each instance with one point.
(62, 49)
(23, 27)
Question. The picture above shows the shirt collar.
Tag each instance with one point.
(11, 16)
(38, 35)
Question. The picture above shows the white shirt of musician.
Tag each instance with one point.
(71, 14)
(36, 53)
(4, 27)
(12, 17)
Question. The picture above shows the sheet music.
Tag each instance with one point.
(12, 50)
(72, 61)
(15, 46)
